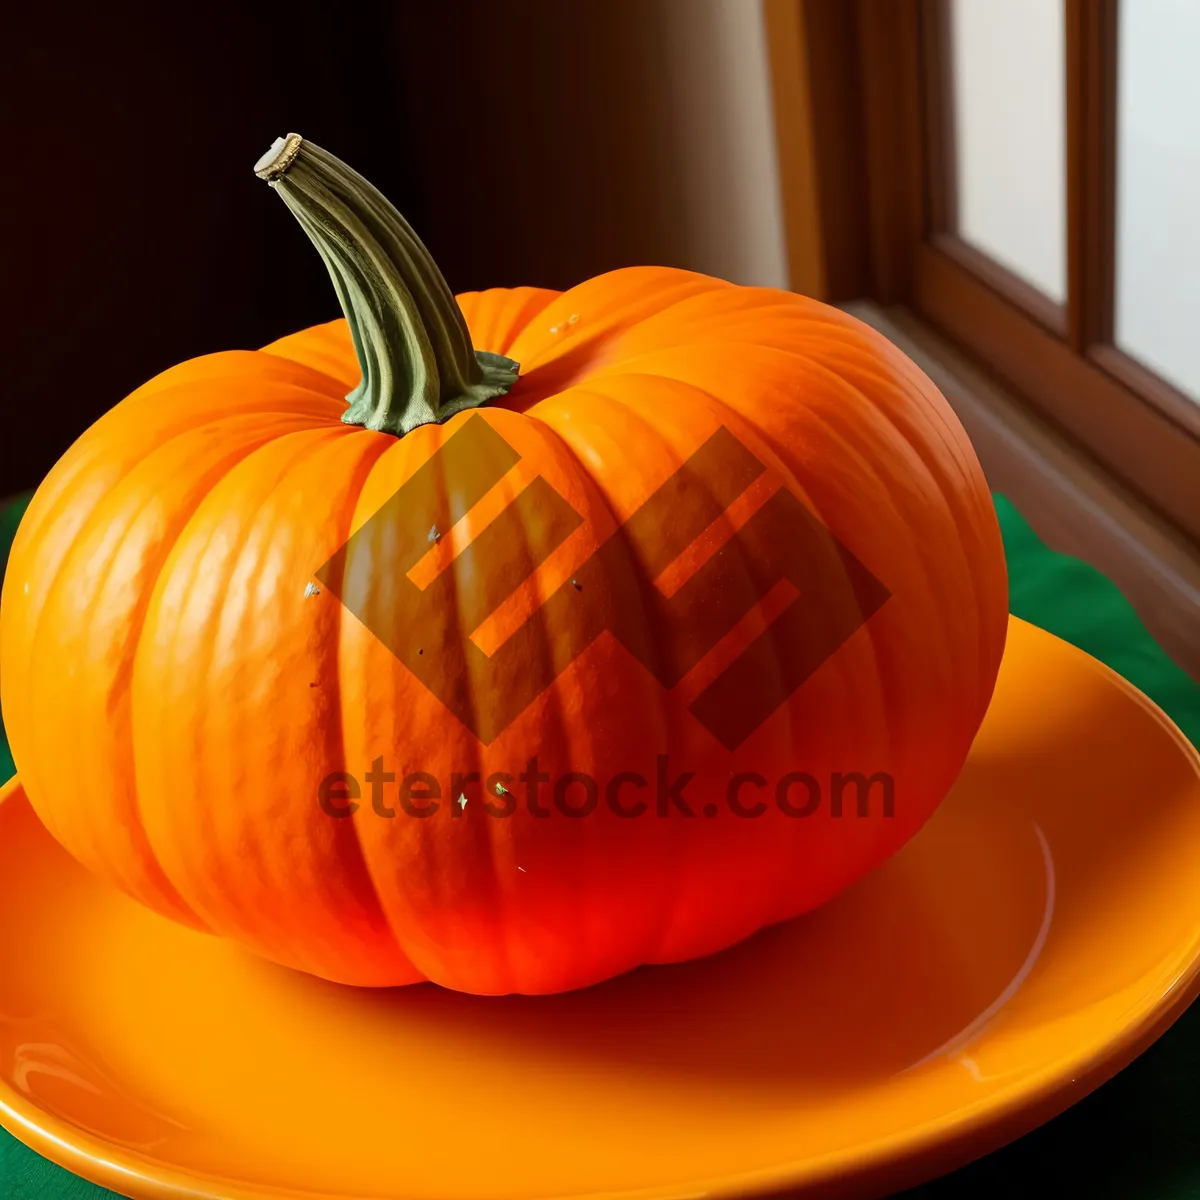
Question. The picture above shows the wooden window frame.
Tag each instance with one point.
(864, 129)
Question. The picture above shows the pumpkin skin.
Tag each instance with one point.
(174, 690)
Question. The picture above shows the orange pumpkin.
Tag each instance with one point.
(214, 694)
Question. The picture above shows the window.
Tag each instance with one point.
(1158, 188)
(1024, 176)
(1006, 122)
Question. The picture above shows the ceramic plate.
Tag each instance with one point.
(1036, 935)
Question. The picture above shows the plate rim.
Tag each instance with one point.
(905, 1159)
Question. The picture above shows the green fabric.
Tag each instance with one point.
(10, 517)
(1139, 1134)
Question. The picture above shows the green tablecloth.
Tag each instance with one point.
(1138, 1135)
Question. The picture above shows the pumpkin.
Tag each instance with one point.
(508, 641)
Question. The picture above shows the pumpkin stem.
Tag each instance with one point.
(418, 364)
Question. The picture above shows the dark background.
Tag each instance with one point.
(514, 136)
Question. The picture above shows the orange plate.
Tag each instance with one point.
(1030, 941)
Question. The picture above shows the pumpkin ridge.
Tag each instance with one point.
(601, 366)
(755, 441)
(915, 445)
(949, 494)
(427, 960)
(673, 890)
(449, 958)
(565, 453)
(218, 369)
(127, 671)
(42, 513)
(931, 596)
(968, 463)
(240, 456)
(287, 404)
(351, 501)
(283, 486)
(684, 323)
(322, 435)
(964, 497)
(532, 306)
(717, 307)
(312, 347)
(500, 959)
(810, 415)
(122, 680)
(65, 499)
(952, 499)
(669, 891)
(684, 286)
(668, 876)
(911, 375)
(935, 430)
(509, 311)
(335, 384)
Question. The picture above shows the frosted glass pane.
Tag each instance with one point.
(1158, 187)
(1009, 82)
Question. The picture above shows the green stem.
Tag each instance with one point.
(414, 350)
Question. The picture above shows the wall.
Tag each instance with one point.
(721, 98)
(135, 232)
(558, 141)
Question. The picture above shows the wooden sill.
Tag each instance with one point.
(1071, 502)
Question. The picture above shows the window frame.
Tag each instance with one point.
(864, 128)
